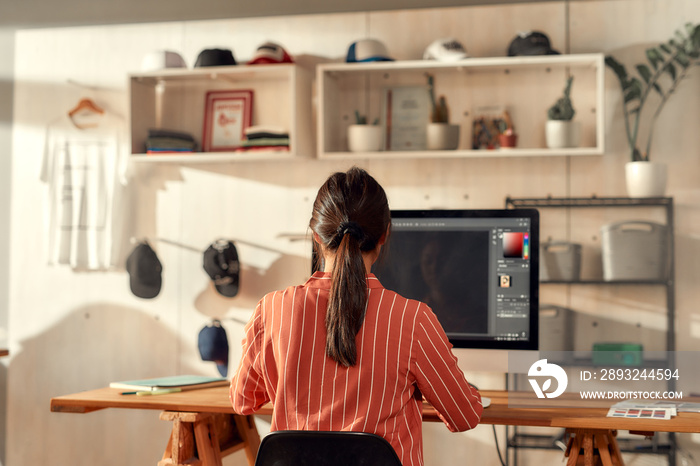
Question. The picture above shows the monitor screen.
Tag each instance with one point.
(477, 269)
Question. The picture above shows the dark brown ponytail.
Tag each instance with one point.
(350, 216)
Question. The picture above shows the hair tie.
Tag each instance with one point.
(351, 228)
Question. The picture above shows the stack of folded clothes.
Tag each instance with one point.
(265, 138)
(165, 141)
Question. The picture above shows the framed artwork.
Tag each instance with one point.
(406, 114)
(226, 116)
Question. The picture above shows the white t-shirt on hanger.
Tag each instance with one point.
(84, 168)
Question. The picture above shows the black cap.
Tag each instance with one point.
(215, 57)
(213, 346)
(531, 43)
(220, 261)
(144, 271)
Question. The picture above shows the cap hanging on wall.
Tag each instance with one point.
(220, 261)
(213, 346)
(144, 270)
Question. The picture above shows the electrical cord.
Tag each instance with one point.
(498, 449)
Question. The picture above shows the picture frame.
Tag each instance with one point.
(227, 113)
(405, 116)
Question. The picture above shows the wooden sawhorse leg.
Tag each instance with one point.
(203, 439)
(599, 447)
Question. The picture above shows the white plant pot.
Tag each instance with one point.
(364, 138)
(560, 134)
(442, 136)
(646, 179)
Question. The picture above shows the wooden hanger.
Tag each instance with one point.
(86, 104)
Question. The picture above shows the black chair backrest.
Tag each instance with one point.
(313, 448)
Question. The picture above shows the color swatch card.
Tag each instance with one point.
(639, 413)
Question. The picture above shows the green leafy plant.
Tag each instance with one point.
(563, 109)
(362, 119)
(440, 113)
(667, 65)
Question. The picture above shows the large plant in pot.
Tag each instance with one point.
(665, 67)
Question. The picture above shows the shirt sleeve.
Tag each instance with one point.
(439, 378)
(247, 392)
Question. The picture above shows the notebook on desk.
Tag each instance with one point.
(183, 382)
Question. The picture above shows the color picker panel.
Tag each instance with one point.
(513, 245)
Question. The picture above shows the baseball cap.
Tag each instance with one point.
(144, 270)
(448, 49)
(268, 53)
(162, 59)
(220, 261)
(215, 57)
(367, 50)
(531, 43)
(213, 346)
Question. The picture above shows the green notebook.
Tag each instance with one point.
(184, 382)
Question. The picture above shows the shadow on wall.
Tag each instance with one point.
(88, 349)
(255, 283)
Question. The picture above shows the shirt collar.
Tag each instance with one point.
(323, 280)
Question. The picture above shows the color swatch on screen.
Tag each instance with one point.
(513, 245)
(526, 246)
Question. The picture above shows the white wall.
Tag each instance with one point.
(7, 49)
(76, 331)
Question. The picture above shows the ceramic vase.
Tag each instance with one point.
(560, 134)
(646, 179)
(442, 136)
(364, 138)
(507, 141)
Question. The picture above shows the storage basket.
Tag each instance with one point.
(560, 260)
(634, 250)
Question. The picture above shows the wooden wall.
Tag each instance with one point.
(75, 331)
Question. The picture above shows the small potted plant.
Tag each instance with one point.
(440, 133)
(560, 130)
(507, 138)
(666, 66)
(363, 137)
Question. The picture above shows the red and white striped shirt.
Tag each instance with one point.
(402, 352)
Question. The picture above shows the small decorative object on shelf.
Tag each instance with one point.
(363, 137)
(440, 133)
(667, 64)
(226, 116)
(489, 122)
(507, 138)
(560, 130)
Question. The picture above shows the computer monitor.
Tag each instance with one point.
(477, 269)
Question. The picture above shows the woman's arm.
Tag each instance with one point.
(247, 391)
(438, 377)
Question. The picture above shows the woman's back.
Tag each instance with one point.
(341, 352)
(401, 353)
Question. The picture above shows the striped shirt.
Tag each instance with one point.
(402, 353)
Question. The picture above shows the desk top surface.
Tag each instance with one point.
(592, 414)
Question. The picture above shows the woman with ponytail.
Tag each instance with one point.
(341, 352)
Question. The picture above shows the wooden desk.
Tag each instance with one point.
(203, 421)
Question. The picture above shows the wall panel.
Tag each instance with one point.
(72, 331)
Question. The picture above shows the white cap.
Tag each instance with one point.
(162, 59)
(448, 49)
